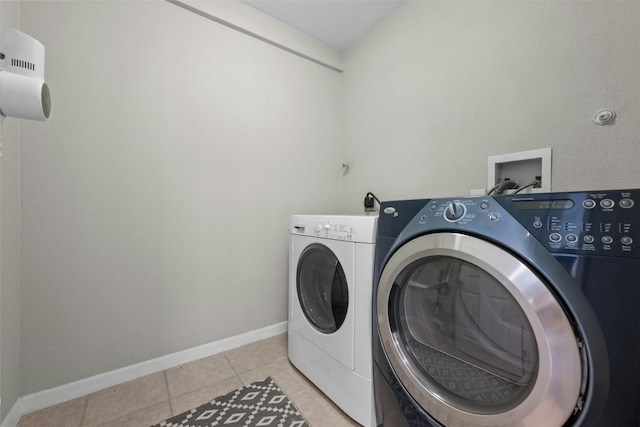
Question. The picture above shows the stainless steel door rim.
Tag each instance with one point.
(556, 390)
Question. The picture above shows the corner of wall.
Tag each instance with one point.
(9, 250)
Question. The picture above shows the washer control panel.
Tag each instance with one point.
(350, 228)
(333, 230)
(594, 222)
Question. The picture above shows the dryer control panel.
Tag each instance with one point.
(591, 222)
(604, 223)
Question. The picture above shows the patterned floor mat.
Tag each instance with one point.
(261, 404)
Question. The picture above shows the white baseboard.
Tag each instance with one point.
(45, 398)
(12, 418)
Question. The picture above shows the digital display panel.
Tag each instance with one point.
(544, 204)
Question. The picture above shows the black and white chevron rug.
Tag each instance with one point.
(260, 404)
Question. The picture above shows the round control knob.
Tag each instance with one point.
(455, 212)
(318, 227)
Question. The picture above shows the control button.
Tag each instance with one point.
(433, 206)
(484, 206)
(555, 237)
(537, 224)
(455, 212)
(318, 227)
(423, 217)
(571, 238)
(626, 203)
(494, 216)
(607, 240)
(589, 204)
(607, 203)
(626, 240)
(588, 238)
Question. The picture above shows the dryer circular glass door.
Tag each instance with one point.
(476, 336)
(322, 288)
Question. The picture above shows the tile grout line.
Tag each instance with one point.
(84, 410)
(234, 370)
(166, 383)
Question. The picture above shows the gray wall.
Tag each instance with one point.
(156, 201)
(437, 87)
(9, 242)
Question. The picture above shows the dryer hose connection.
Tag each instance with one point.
(502, 187)
(511, 185)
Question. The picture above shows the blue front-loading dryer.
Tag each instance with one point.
(514, 310)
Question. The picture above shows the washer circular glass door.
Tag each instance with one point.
(475, 336)
(322, 288)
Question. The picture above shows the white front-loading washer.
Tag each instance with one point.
(330, 294)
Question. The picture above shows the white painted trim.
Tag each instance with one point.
(12, 418)
(45, 398)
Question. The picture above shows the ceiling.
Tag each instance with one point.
(338, 23)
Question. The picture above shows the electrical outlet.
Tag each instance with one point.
(370, 202)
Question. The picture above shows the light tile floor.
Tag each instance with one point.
(151, 399)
